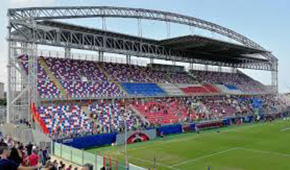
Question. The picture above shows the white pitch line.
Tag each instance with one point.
(206, 156)
(269, 152)
(151, 162)
(162, 143)
(159, 164)
(239, 148)
(284, 129)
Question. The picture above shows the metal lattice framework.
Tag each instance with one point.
(27, 30)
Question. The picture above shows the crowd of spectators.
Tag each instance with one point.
(17, 156)
(199, 108)
(110, 116)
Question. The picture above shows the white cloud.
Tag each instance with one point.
(30, 3)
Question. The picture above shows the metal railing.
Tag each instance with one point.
(81, 157)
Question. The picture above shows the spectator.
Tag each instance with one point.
(50, 166)
(15, 155)
(69, 167)
(29, 148)
(33, 158)
(45, 155)
(7, 164)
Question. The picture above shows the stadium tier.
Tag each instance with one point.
(107, 116)
(60, 78)
(83, 118)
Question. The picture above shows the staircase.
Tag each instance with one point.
(136, 111)
(143, 69)
(51, 76)
(193, 76)
(111, 79)
(85, 109)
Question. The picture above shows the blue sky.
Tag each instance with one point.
(267, 22)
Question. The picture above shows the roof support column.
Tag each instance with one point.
(151, 60)
(128, 59)
(219, 68)
(9, 65)
(67, 52)
(234, 70)
(206, 67)
(190, 66)
(139, 27)
(104, 24)
(168, 29)
(101, 56)
(275, 77)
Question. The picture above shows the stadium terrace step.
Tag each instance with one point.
(51, 76)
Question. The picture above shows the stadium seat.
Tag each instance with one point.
(65, 119)
(143, 89)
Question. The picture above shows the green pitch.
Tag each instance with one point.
(264, 146)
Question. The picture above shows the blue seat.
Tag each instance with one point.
(231, 87)
(143, 89)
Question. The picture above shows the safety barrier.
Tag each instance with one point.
(96, 160)
(170, 129)
(90, 141)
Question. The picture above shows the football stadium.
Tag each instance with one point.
(135, 102)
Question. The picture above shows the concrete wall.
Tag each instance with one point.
(25, 134)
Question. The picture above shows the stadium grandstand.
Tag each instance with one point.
(74, 103)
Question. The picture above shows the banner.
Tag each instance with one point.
(170, 129)
(91, 141)
(136, 136)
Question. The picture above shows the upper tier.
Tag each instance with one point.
(60, 78)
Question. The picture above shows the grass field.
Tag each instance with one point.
(264, 146)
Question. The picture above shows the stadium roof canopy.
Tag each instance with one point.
(194, 46)
(201, 44)
(37, 25)
(211, 48)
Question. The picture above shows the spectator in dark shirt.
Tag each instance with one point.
(14, 156)
(45, 155)
(29, 148)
